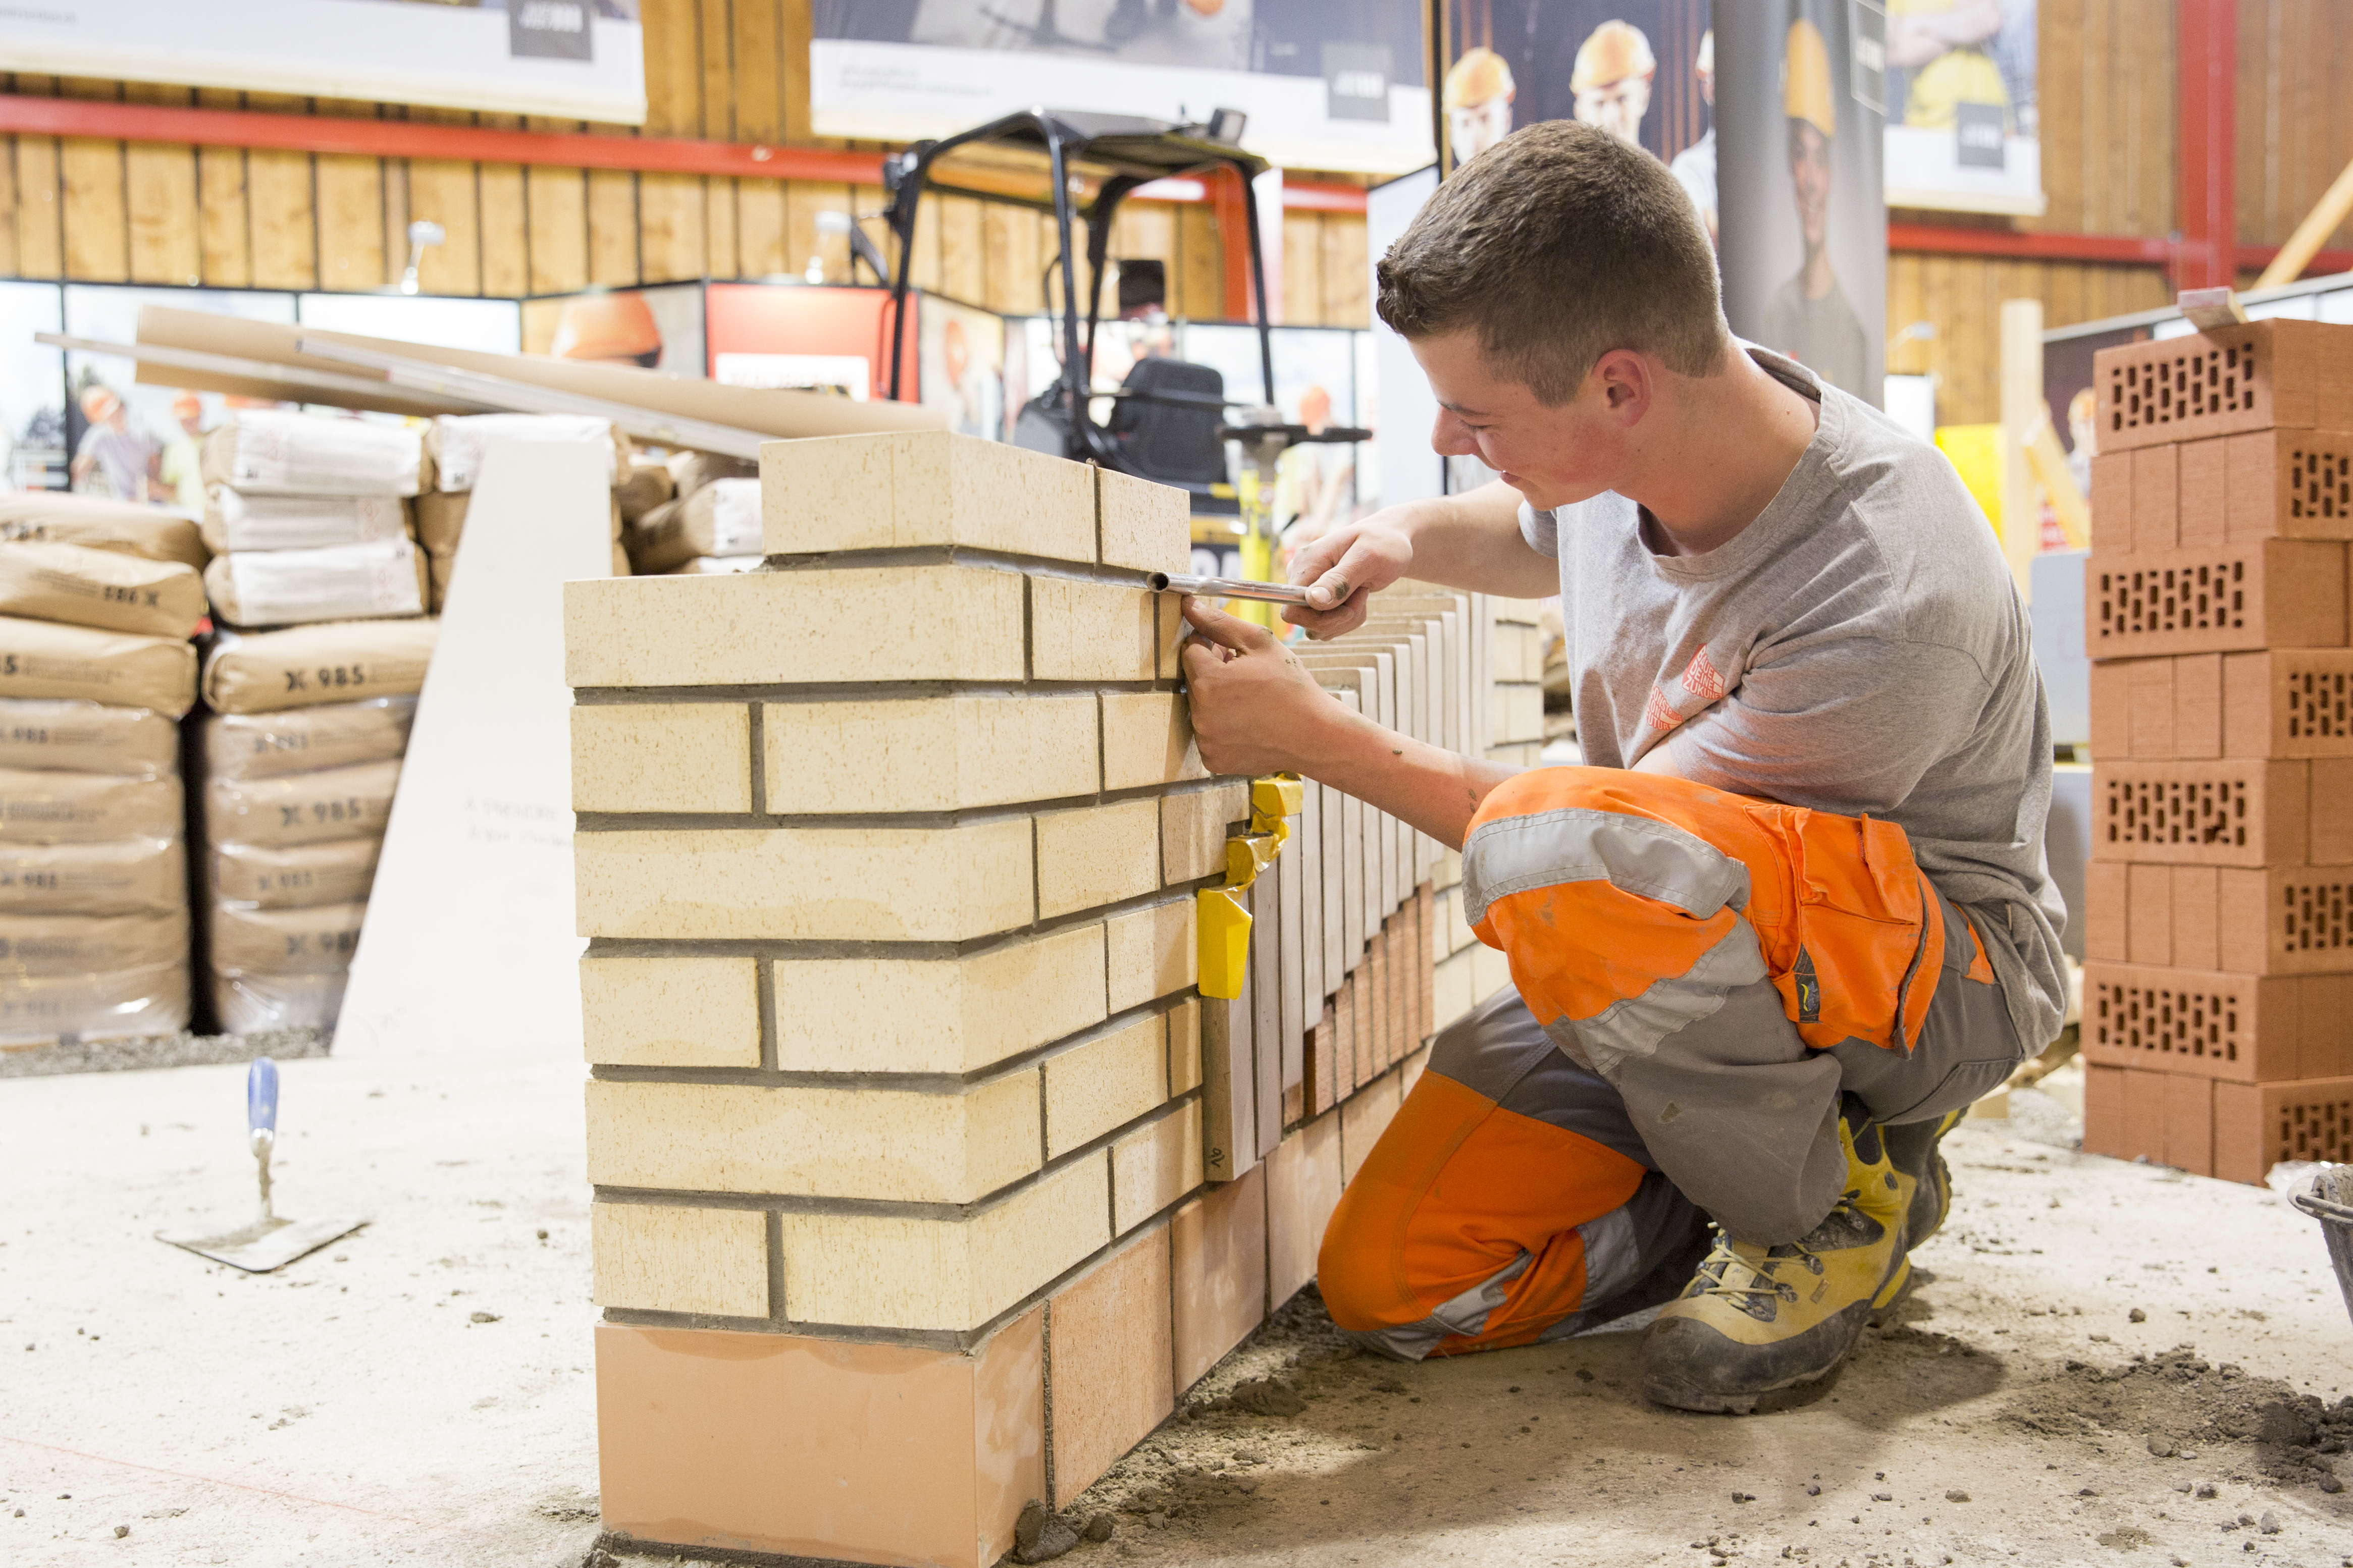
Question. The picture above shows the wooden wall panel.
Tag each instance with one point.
(1303, 269)
(285, 234)
(671, 229)
(505, 229)
(1196, 284)
(719, 216)
(40, 209)
(557, 201)
(96, 224)
(8, 207)
(804, 241)
(442, 192)
(1347, 273)
(350, 223)
(761, 247)
(613, 227)
(165, 222)
(963, 270)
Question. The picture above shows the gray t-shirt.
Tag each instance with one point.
(1859, 648)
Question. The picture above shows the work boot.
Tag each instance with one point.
(1755, 1318)
(1916, 1150)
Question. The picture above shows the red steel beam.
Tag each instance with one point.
(2207, 35)
(480, 145)
(2113, 249)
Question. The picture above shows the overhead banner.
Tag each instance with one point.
(575, 59)
(1327, 84)
(1960, 99)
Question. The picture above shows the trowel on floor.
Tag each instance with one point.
(270, 1242)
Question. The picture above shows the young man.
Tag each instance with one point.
(1790, 920)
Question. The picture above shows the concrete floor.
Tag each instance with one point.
(352, 1410)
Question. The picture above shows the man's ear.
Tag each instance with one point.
(1625, 379)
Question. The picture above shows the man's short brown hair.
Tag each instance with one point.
(1557, 244)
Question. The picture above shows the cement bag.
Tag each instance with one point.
(101, 588)
(719, 519)
(318, 941)
(303, 739)
(86, 808)
(264, 672)
(260, 450)
(457, 441)
(122, 877)
(714, 565)
(49, 735)
(113, 1004)
(441, 519)
(301, 808)
(299, 876)
(122, 526)
(125, 670)
(254, 1003)
(690, 472)
(235, 520)
(643, 486)
(298, 587)
(59, 947)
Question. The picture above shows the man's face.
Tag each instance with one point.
(1616, 107)
(1553, 456)
(1809, 172)
(1474, 130)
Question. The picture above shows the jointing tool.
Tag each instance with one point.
(1229, 588)
(270, 1243)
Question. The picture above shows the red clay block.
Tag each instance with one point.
(2190, 1124)
(2150, 695)
(2149, 917)
(2287, 920)
(2105, 907)
(2103, 1111)
(2195, 916)
(2198, 705)
(2292, 703)
(828, 1448)
(2278, 593)
(2230, 812)
(2222, 382)
(2204, 506)
(1109, 1356)
(2155, 491)
(2290, 484)
(2331, 842)
(2258, 1125)
(1218, 1272)
(2111, 501)
(2144, 1120)
(2247, 1028)
(2111, 708)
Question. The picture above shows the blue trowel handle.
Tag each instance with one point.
(261, 1096)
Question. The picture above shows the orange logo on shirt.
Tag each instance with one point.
(1700, 679)
(1661, 713)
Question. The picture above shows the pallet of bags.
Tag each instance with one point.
(457, 443)
(95, 671)
(309, 519)
(299, 758)
(714, 514)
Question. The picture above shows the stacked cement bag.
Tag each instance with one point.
(457, 443)
(300, 753)
(308, 516)
(95, 670)
(712, 525)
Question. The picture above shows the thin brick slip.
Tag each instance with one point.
(887, 1144)
(2279, 593)
(662, 756)
(2244, 1027)
(1218, 1243)
(1303, 1188)
(663, 1257)
(670, 1012)
(1151, 952)
(1185, 1045)
(1193, 829)
(1148, 738)
(923, 488)
(787, 628)
(2229, 812)
(771, 1443)
(1105, 1083)
(1144, 526)
(1155, 1165)
(1094, 855)
(1092, 631)
(927, 753)
(939, 1016)
(905, 1272)
(875, 884)
(1108, 1334)
(2222, 382)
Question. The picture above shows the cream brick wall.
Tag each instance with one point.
(927, 753)
(667, 1258)
(662, 756)
(869, 492)
(672, 1011)
(955, 1014)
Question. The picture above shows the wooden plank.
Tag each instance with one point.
(718, 70)
(350, 223)
(2060, 109)
(758, 76)
(871, 205)
(442, 190)
(167, 224)
(506, 230)
(396, 220)
(670, 239)
(8, 207)
(1196, 286)
(1347, 273)
(793, 33)
(40, 207)
(803, 240)
(1011, 281)
(762, 247)
(1303, 269)
(1146, 231)
(556, 202)
(284, 237)
(963, 266)
(613, 227)
(673, 63)
(719, 214)
(927, 267)
(98, 244)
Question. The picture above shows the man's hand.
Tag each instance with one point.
(1255, 708)
(1344, 569)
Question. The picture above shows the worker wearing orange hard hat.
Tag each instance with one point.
(1612, 80)
(1808, 317)
(180, 466)
(1478, 99)
(616, 327)
(113, 458)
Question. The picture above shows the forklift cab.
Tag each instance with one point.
(1169, 419)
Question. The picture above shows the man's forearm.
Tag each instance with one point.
(1472, 542)
(1435, 790)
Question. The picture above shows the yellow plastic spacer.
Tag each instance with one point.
(1224, 927)
(1278, 795)
(1248, 854)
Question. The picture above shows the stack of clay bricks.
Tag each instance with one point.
(913, 1200)
(2217, 987)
